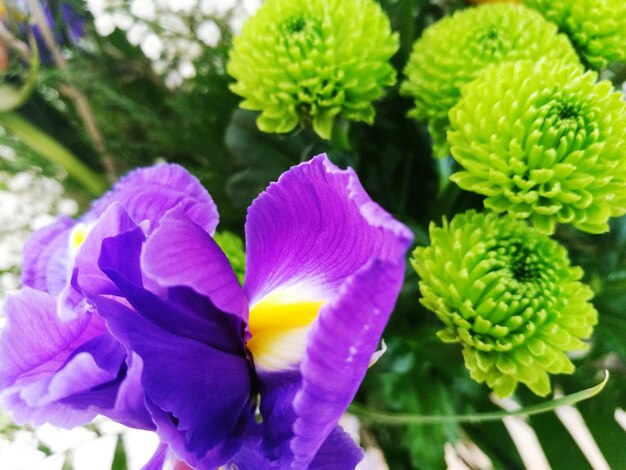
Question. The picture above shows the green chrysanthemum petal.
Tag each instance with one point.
(597, 28)
(508, 294)
(308, 61)
(453, 51)
(543, 141)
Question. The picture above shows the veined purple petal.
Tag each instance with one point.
(46, 261)
(199, 397)
(45, 362)
(315, 227)
(195, 373)
(324, 268)
(341, 344)
(113, 221)
(181, 253)
(149, 193)
(301, 408)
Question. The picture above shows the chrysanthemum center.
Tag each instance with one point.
(524, 265)
(298, 27)
(490, 40)
(294, 25)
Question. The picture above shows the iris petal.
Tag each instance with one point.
(42, 367)
(181, 253)
(315, 227)
(195, 373)
(149, 193)
(45, 263)
(317, 235)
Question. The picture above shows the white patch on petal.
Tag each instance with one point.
(279, 324)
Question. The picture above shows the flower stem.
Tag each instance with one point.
(81, 104)
(399, 419)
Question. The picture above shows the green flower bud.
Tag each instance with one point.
(232, 246)
(453, 51)
(509, 295)
(309, 61)
(543, 141)
(597, 28)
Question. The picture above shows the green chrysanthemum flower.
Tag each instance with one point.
(543, 141)
(454, 50)
(232, 246)
(509, 295)
(597, 28)
(308, 61)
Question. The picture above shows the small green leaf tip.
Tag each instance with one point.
(308, 61)
(454, 50)
(508, 294)
(232, 246)
(543, 141)
(597, 28)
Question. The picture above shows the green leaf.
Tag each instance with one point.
(262, 157)
(120, 462)
(52, 150)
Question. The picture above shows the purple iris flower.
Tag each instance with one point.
(324, 267)
(58, 362)
(256, 377)
(67, 25)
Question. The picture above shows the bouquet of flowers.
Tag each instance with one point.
(321, 234)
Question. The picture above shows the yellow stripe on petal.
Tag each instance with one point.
(279, 331)
(77, 237)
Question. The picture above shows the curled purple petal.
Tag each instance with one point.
(181, 253)
(316, 226)
(115, 220)
(149, 193)
(324, 268)
(45, 265)
(195, 373)
(341, 344)
(46, 363)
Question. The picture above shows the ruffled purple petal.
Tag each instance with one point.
(181, 253)
(341, 344)
(315, 227)
(86, 275)
(338, 452)
(195, 373)
(149, 193)
(45, 363)
(198, 396)
(46, 259)
(315, 235)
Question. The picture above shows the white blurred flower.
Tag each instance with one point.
(172, 33)
(28, 201)
(217, 7)
(186, 69)
(152, 46)
(209, 33)
(137, 33)
(105, 24)
(144, 9)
